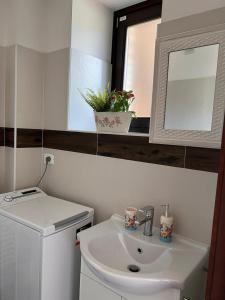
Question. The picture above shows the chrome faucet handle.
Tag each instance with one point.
(148, 211)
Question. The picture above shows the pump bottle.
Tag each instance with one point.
(166, 225)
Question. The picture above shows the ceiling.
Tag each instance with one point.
(118, 4)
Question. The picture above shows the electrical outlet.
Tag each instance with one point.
(51, 156)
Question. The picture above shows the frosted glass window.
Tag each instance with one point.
(139, 65)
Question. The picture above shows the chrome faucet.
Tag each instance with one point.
(148, 213)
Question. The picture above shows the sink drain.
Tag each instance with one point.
(134, 268)
(140, 250)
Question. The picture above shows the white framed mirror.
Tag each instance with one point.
(189, 93)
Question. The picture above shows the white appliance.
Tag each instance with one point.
(39, 252)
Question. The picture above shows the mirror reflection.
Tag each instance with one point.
(191, 88)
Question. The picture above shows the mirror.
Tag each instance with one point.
(189, 95)
(191, 88)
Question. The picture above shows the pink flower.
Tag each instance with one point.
(131, 96)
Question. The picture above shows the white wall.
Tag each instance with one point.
(92, 25)
(110, 185)
(43, 25)
(35, 29)
(9, 163)
(2, 86)
(57, 29)
(28, 167)
(3, 22)
(90, 59)
(2, 114)
(56, 89)
(30, 88)
(119, 4)
(86, 71)
(174, 9)
(25, 23)
(2, 169)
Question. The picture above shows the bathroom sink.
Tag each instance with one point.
(131, 262)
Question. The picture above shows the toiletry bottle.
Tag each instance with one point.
(166, 226)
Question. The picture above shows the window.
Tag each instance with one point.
(133, 56)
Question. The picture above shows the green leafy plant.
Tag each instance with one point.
(100, 101)
(109, 101)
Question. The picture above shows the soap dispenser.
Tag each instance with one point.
(166, 225)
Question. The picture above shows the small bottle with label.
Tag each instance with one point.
(166, 226)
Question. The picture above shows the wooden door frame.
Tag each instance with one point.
(216, 275)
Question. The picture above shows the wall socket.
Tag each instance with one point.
(52, 157)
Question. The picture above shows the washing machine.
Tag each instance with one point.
(39, 251)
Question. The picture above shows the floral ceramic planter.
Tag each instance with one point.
(115, 122)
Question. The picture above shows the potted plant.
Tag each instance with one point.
(111, 109)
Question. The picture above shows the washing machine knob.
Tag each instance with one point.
(8, 198)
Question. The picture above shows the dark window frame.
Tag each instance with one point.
(135, 14)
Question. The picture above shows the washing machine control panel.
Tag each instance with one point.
(18, 196)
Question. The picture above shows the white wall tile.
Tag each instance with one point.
(2, 86)
(28, 167)
(86, 71)
(26, 23)
(9, 169)
(56, 89)
(30, 88)
(92, 27)
(58, 20)
(2, 169)
(10, 88)
(110, 185)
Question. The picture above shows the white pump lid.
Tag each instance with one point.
(167, 208)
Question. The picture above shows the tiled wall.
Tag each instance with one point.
(105, 183)
(56, 89)
(110, 185)
(30, 88)
(2, 167)
(2, 118)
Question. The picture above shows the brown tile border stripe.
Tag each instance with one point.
(26, 138)
(9, 137)
(202, 159)
(71, 141)
(2, 136)
(29, 138)
(138, 148)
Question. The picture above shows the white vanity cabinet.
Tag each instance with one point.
(164, 272)
(92, 290)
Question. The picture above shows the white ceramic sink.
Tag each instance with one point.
(109, 250)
